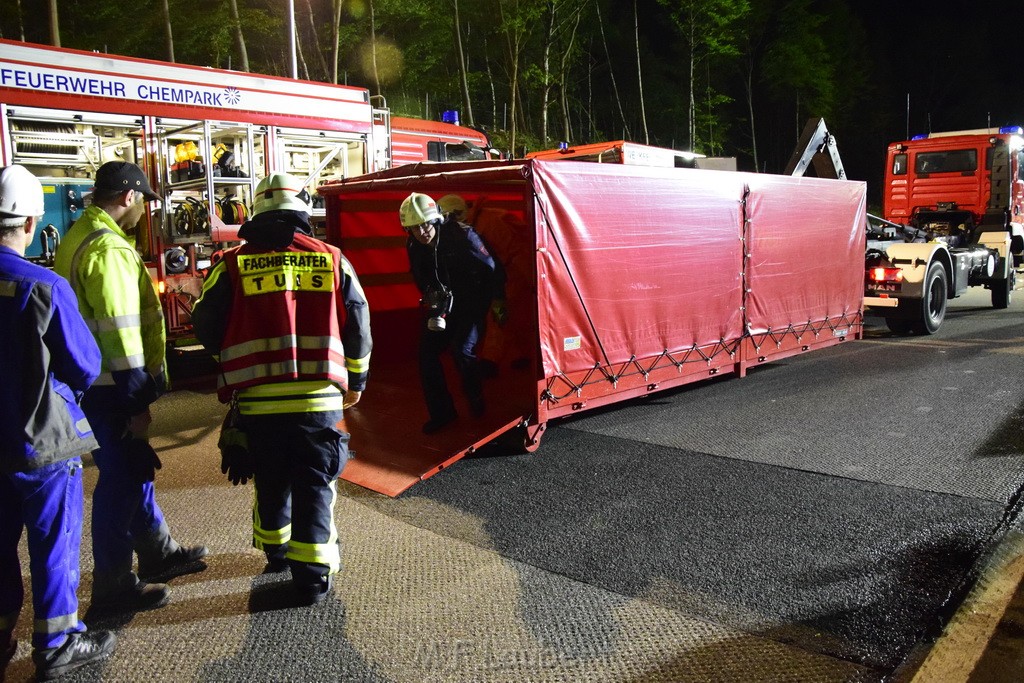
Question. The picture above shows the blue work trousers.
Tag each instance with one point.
(460, 337)
(125, 514)
(48, 503)
(297, 460)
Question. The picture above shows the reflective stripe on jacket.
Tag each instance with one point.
(286, 324)
(119, 301)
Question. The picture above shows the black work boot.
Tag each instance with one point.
(142, 596)
(78, 650)
(184, 560)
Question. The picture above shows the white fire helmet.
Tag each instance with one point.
(418, 209)
(281, 191)
(21, 193)
(452, 204)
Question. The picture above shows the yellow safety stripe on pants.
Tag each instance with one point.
(56, 624)
(320, 553)
(290, 397)
(261, 536)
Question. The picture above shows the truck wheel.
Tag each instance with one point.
(1002, 290)
(933, 304)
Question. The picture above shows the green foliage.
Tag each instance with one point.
(781, 59)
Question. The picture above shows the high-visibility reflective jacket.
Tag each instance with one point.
(119, 302)
(291, 326)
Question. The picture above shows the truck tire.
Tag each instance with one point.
(933, 304)
(1002, 290)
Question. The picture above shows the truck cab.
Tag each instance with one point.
(953, 218)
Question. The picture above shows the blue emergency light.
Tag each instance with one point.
(450, 116)
(1011, 130)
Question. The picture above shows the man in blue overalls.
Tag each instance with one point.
(50, 359)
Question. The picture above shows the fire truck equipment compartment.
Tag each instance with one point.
(622, 281)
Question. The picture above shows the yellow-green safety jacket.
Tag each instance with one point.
(120, 304)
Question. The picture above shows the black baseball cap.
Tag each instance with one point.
(120, 176)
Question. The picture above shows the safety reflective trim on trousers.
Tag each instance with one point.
(358, 365)
(8, 288)
(283, 369)
(320, 553)
(288, 341)
(271, 536)
(56, 624)
(308, 405)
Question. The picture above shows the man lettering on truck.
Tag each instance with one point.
(119, 301)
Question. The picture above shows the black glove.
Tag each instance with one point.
(142, 460)
(236, 462)
(235, 459)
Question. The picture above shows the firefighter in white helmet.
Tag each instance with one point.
(50, 358)
(454, 206)
(284, 296)
(458, 280)
(118, 299)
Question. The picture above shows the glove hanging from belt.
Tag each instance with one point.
(235, 459)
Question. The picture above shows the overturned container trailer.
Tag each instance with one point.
(622, 281)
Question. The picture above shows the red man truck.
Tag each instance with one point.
(953, 206)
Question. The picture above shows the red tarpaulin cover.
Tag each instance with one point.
(621, 280)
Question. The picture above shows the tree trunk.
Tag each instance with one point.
(750, 110)
(463, 77)
(611, 71)
(54, 23)
(546, 73)
(692, 106)
(167, 32)
(335, 40)
(373, 48)
(563, 76)
(639, 75)
(316, 42)
(243, 55)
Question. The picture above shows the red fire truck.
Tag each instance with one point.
(204, 136)
(953, 207)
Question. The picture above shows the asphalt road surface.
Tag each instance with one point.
(818, 520)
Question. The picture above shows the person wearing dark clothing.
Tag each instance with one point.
(459, 281)
(50, 360)
(288, 320)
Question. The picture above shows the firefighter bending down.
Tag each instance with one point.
(459, 280)
(288, 318)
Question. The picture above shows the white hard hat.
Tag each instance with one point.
(418, 209)
(280, 191)
(452, 203)
(21, 193)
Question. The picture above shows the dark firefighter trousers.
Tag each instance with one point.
(297, 459)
